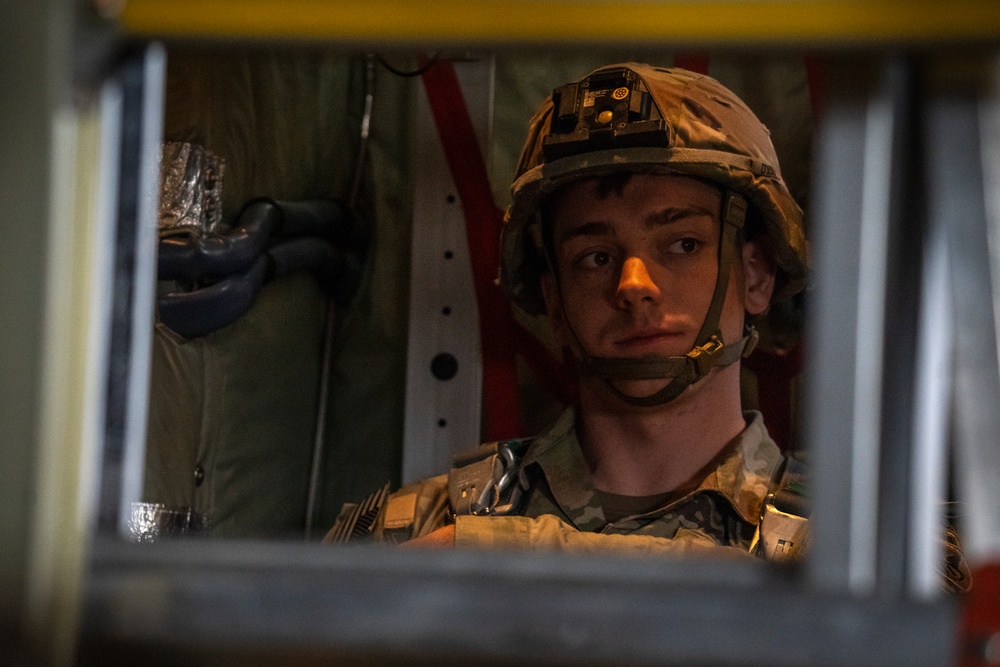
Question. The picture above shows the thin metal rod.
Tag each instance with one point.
(936, 335)
(844, 362)
(329, 328)
(869, 334)
(154, 74)
(321, 416)
(956, 185)
(366, 119)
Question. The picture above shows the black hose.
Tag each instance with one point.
(202, 311)
(218, 255)
(337, 272)
(193, 258)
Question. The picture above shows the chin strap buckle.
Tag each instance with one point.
(704, 357)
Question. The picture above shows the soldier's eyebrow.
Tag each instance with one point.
(664, 216)
(671, 214)
(593, 228)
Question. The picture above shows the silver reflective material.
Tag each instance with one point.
(783, 536)
(190, 189)
(150, 521)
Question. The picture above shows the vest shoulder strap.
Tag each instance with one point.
(783, 529)
(488, 480)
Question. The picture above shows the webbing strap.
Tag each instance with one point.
(663, 368)
(734, 211)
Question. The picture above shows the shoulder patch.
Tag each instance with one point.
(356, 521)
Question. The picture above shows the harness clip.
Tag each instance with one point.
(704, 357)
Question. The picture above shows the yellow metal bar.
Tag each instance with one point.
(735, 22)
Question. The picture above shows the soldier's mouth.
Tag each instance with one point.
(648, 339)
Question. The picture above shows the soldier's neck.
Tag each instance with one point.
(643, 451)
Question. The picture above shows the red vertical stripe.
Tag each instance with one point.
(695, 62)
(816, 79)
(483, 222)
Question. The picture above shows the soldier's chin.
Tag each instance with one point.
(640, 388)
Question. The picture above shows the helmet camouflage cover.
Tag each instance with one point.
(638, 118)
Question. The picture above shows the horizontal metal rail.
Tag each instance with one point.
(308, 601)
(550, 22)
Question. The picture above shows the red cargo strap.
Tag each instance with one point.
(693, 62)
(979, 639)
(500, 334)
(776, 372)
(816, 78)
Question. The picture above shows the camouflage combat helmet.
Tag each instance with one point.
(643, 119)
(658, 120)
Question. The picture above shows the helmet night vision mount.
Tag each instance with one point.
(612, 109)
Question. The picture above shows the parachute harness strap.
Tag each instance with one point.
(709, 349)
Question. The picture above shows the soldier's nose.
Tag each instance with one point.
(635, 284)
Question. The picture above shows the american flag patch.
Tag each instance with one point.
(357, 520)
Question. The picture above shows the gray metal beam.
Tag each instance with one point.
(142, 77)
(843, 376)
(955, 184)
(34, 77)
(389, 605)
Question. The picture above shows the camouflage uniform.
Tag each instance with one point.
(561, 510)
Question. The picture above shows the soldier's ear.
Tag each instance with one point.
(758, 278)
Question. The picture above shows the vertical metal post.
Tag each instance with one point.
(843, 376)
(860, 376)
(931, 415)
(444, 364)
(904, 257)
(957, 199)
(143, 79)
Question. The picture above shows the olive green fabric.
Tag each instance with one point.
(232, 417)
(368, 385)
(282, 120)
(286, 123)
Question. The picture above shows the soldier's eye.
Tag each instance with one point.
(595, 260)
(685, 246)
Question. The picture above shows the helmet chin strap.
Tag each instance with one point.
(709, 351)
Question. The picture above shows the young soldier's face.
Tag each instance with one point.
(637, 268)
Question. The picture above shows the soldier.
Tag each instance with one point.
(651, 223)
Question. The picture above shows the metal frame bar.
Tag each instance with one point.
(142, 83)
(956, 184)
(840, 608)
(931, 416)
(844, 371)
(443, 415)
(544, 22)
(310, 605)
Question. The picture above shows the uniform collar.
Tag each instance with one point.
(742, 475)
(745, 473)
(557, 452)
